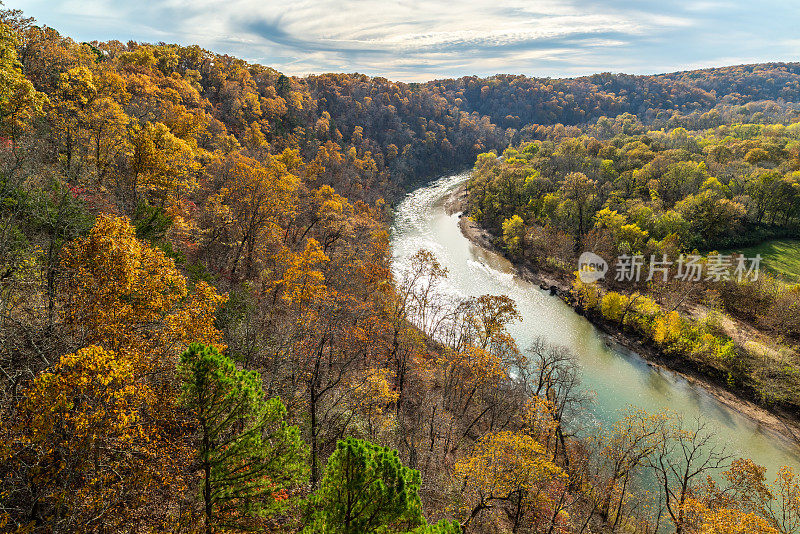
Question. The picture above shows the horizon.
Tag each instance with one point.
(408, 42)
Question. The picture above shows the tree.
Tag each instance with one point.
(684, 456)
(161, 164)
(510, 471)
(411, 301)
(703, 519)
(555, 378)
(488, 317)
(93, 457)
(514, 233)
(106, 126)
(366, 490)
(579, 192)
(259, 198)
(760, 188)
(126, 296)
(19, 101)
(632, 440)
(302, 282)
(419, 299)
(711, 217)
(250, 458)
(743, 492)
(59, 216)
(442, 527)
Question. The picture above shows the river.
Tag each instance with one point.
(618, 377)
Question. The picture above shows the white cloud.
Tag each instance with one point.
(416, 40)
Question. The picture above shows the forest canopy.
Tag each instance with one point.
(200, 330)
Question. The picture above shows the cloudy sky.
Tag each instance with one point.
(413, 40)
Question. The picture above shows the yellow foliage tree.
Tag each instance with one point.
(745, 497)
(97, 430)
(106, 125)
(705, 520)
(303, 281)
(162, 165)
(126, 296)
(514, 233)
(85, 438)
(587, 295)
(667, 328)
(259, 200)
(613, 306)
(19, 101)
(510, 470)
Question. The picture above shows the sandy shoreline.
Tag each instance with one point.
(784, 426)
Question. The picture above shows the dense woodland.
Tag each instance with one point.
(200, 329)
(617, 188)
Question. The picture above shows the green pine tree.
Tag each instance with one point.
(367, 489)
(249, 456)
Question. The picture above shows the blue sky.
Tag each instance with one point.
(411, 40)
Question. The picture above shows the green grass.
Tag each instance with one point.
(780, 256)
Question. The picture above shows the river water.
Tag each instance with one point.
(618, 377)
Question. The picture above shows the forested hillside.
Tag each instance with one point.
(667, 198)
(200, 332)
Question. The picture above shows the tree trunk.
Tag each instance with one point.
(207, 481)
(314, 446)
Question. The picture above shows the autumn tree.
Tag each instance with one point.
(415, 303)
(70, 112)
(743, 493)
(108, 141)
(685, 455)
(553, 376)
(512, 473)
(19, 101)
(251, 209)
(126, 296)
(249, 457)
(91, 454)
(488, 317)
(328, 364)
(578, 193)
(623, 452)
(702, 519)
(301, 281)
(162, 165)
(514, 234)
(51, 215)
(419, 296)
(129, 304)
(479, 394)
(335, 326)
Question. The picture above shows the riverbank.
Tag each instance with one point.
(776, 421)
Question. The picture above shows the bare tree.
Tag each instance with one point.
(687, 454)
(553, 373)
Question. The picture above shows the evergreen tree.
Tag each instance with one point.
(249, 456)
(366, 489)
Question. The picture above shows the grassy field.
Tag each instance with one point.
(780, 256)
